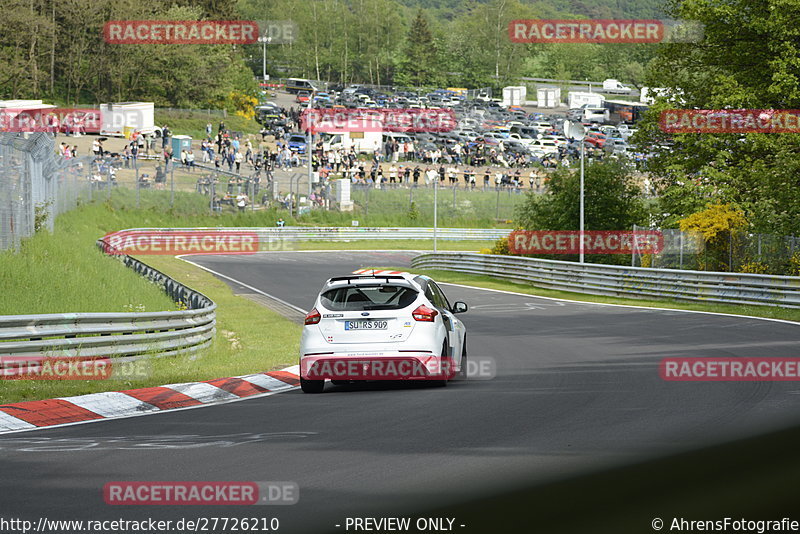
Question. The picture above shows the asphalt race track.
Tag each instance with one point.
(577, 393)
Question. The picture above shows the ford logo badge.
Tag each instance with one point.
(364, 314)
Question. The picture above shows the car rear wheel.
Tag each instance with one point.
(462, 373)
(312, 386)
(443, 359)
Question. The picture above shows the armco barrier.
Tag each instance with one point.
(347, 233)
(636, 282)
(115, 335)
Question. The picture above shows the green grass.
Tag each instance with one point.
(250, 339)
(66, 272)
(772, 312)
(193, 210)
(194, 123)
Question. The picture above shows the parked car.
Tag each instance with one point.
(548, 147)
(596, 139)
(297, 142)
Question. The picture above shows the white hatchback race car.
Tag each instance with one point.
(382, 327)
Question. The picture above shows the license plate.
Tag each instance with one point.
(366, 325)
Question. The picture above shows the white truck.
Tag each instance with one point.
(614, 86)
(123, 118)
(362, 141)
(576, 99)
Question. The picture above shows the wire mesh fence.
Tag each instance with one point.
(36, 185)
(452, 202)
(740, 252)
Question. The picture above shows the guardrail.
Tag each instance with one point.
(636, 282)
(128, 336)
(269, 235)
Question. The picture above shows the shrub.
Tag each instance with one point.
(501, 247)
(754, 267)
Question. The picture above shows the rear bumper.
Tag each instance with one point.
(388, 365)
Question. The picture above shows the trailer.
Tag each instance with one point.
(121, 119)
(622, 111)
(22, 115)
(578, 99)
(361, 141)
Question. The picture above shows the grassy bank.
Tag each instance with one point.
(250, 339)
(65, 272)
(193, 123)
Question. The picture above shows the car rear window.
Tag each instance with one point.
(368, 297)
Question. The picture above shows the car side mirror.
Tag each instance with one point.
(459, 307)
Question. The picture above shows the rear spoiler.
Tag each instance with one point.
(350, 278)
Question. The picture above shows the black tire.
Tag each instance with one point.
(441, 383)
(462, 373)
(312, 386)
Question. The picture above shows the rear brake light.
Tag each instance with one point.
(424, 313)
(313, 317)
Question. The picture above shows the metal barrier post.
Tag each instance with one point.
(136, 168)
(435, 213)
(172, 187)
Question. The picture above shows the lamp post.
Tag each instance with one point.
(583, 150)
(309, 141)
(265, 41)
(435, 213)
(577, 132)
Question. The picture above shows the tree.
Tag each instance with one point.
(717, 224)
(749, 58)
(420, 63)
(612, 200)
